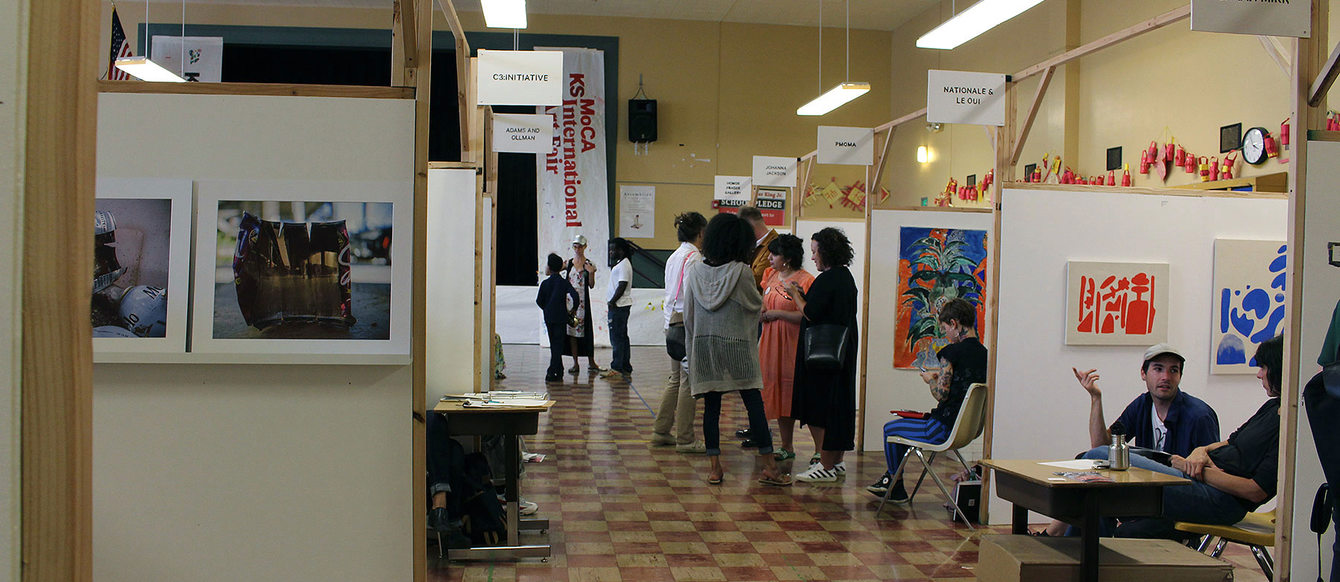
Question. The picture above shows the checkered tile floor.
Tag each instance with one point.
(621, 510)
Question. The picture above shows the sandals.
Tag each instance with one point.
(782, 480)
(814, 459)
(574, 369)
(715, 479)
(782, 454)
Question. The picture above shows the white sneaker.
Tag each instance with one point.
(694, 448)
(818, 474)
(527, 507)
(840, 468)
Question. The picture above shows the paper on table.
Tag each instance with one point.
(1076, 464)
(510, 403)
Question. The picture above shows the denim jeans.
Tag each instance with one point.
(1196, 503)
(758, 421)
(618, 317)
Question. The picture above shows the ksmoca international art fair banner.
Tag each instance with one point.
(573, 185)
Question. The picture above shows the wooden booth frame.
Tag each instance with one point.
(1311, 76)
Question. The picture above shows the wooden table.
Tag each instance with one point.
(1030, 485)
(510, 422)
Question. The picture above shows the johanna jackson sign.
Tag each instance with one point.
(964, 97)
(520, 78)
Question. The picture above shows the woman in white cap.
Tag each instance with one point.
(581, 274)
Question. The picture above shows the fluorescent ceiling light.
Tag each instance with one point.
(834, 98)
(504, 13)
(146, 70)
(966, 25)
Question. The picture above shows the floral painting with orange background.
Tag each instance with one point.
(934, 266)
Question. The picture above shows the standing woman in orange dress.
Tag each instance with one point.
(781, 332)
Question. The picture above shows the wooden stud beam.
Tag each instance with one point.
(1307, 65)
(1122, 35)
(419, 69)
(464, 81)
(1275, 49)
(901, 120)
(1004, 174)
(1323, 82)
(405, 42)
(1032, 115)
(273, 89)
(872, 176)
(55, 396)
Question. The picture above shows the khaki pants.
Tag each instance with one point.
(677, 405)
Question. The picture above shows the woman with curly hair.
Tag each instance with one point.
(781, 332)
(721, 309)
(825, 400)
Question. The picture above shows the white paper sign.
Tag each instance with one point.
(1265, 17)
(523, 133)
(637, 211)
(203, 56)
(846, 145)
(731, 193)
(964, 97)
(774, 171)
(520, 78)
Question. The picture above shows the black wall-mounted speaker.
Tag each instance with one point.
(641, 120)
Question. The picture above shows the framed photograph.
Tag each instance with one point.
(1248, 301)
(302, 268)
(1116, 304)
(141, 248)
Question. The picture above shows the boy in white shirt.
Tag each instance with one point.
(620, 305)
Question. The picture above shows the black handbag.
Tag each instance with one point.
(674, 342)
(826, 346)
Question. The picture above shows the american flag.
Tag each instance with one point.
(120, 48)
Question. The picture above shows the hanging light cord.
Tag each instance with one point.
(848, 75)
(821, 46)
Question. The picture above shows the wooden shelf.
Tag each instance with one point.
(1277, 182)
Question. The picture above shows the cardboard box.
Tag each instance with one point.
(1011, 558)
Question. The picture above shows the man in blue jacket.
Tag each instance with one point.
(1164, 418)
(553, 299)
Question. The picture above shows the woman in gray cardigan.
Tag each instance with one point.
(721, 315)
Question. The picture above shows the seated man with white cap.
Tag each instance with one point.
(1163, 418)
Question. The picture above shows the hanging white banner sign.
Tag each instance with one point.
(774, 171)
(203, 56)
(520, 78)
(964, 97)
(522, 133)
(731, 193)
(846, 145)
(572, 193)
(1263, 17)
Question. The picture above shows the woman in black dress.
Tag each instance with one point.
(826, 400)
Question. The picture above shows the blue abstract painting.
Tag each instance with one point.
(1248, 301)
